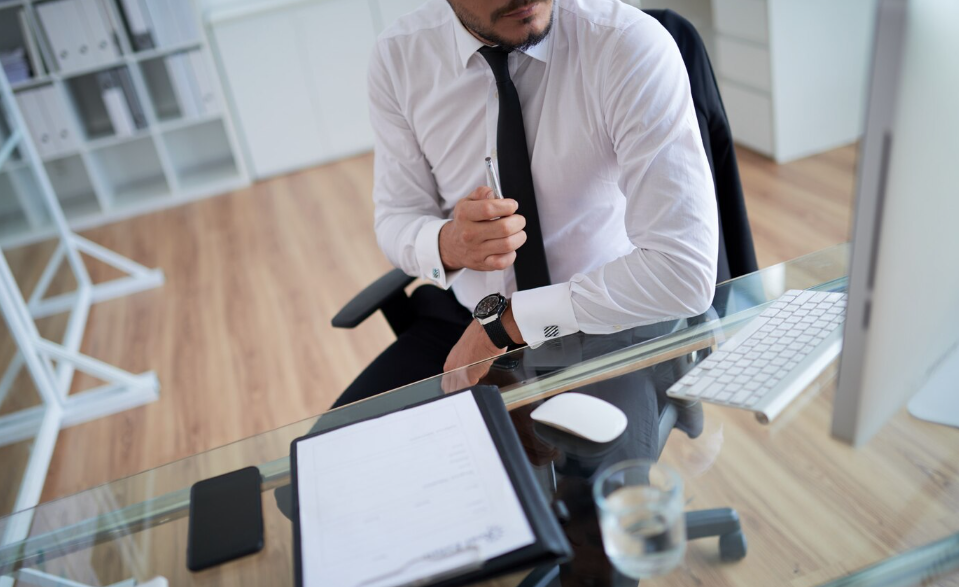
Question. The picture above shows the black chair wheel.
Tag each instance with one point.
(732, 546)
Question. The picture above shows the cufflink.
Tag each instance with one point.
(436, 273)
(551, 331)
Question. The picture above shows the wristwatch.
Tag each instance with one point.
(489, 312)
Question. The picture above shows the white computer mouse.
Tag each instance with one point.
(583, 415)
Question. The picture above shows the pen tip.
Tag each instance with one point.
(488, 159)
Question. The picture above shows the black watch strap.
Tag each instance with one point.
(498, 334)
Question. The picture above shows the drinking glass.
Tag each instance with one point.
(640, 508)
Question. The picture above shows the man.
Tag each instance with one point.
(608, 218)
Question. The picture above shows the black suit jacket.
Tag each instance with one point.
(736, 253)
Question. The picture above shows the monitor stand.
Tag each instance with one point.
(938, 400)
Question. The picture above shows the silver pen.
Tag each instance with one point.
(492, 179)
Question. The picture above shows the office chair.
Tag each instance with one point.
(736, 253)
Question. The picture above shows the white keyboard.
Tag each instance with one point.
(772, 359)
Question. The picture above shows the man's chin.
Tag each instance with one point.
(527, 34)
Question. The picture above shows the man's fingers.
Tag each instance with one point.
(477, 211)
(457, 380)
(479, 370)
(481, 193)
(482, 232)
(500, 262)
(501, 246)
(450, 382)
(506, 226)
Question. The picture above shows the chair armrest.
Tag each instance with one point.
(371, 299)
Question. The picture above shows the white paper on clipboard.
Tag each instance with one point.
(405, 497)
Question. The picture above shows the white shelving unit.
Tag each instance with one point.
(106, 177)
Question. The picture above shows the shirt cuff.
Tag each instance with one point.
(544, 313)
(428, 255)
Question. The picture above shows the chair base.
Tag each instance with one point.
(722, 522)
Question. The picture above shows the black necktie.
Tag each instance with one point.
(515, 175)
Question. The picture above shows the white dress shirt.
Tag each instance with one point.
(623, 187)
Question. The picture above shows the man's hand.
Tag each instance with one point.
(475, 240)
(474, 346)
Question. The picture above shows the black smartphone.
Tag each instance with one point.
(226, 519)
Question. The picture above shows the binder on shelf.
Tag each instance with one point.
(132, 99)
(173, 22)
(416, 531)
(58, 119)
(43, 136)
(99, 32)
(180, 79)
(33, 122)
(87, 98)
(206, 84)
(186, 17)
(54, 21)
(72, 26)
(86, 30)
(170, 10)
(30, 45)
(110, 21)
(115, 104)
(186, 63)
(139, 24)
(159, 13)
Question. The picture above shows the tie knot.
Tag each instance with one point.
(498, 59)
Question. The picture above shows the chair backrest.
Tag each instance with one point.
(736, 253)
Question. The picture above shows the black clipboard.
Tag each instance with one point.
(550, 546)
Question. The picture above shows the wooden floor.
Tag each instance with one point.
(239, 335)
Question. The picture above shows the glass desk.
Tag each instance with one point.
(813, 509)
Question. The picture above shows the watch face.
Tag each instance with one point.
(488, 306)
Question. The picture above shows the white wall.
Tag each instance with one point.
(280, 57)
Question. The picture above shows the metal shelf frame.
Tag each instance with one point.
(52, 365)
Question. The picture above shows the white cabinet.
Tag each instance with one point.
(744, 19)
(750, 116)
(389, 10)
(793, 73)
(342, 36)
(275, 116)
(296, 73)
(697, 12)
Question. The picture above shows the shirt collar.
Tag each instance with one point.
(467, 44)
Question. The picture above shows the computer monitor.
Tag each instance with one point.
(901, 334)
